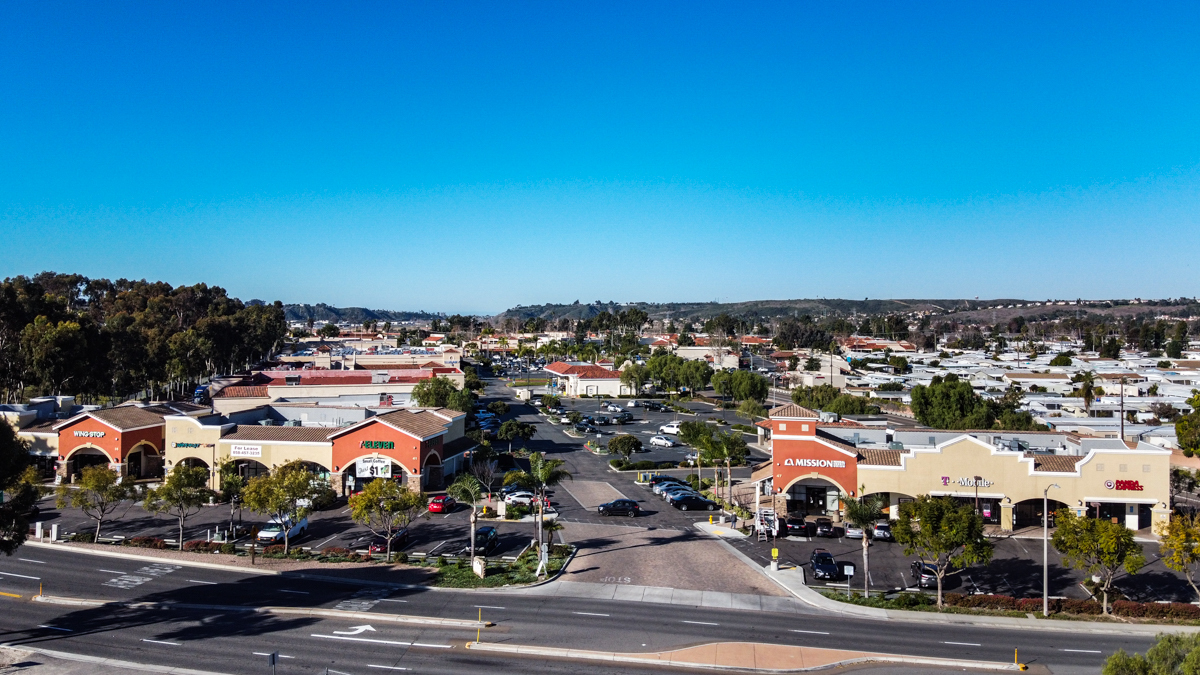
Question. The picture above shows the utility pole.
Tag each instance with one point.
(1122, 380)
(1046, 549)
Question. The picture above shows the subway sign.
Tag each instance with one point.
(377, 445)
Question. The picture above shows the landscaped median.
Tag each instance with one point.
(746, 656)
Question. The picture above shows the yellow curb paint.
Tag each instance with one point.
(10, 595)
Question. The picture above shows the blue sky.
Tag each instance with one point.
(474, 156)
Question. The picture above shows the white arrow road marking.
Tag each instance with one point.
(355, 630)
(381, 642)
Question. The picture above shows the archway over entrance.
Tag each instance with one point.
(431, 473)
(814, 496)
(84, 457)
(1028, 513)
(144, 461)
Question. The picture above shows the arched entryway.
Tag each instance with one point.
(1028, 513)
(85, 456)
(815, 496)
(431, 473)
(357, 474)
(144, 461)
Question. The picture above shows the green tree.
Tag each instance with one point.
(625, 445)
(498, 408)
(1086, 388)
(551, 401)
(863, 513)
(232, 485)
(793, 363)
(635, 376)
(1171, 654)
(1111, 349)
(1179, 547)
(19, 487)
(722, 383)
(1098, 547)
(182, 495)
(948, 403)
(279, 495)
(1060, 360)
(542, 475)
(98, 493)
(434, 392)
(329, 330)
(468, 490)
(386, 507)
(812, 364)
(941, 532)
(695, 434)
(514, 429)
(751, 410)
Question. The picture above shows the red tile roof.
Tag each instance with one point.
(237, 391)
(792, 411)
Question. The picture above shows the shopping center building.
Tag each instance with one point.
(817, 461)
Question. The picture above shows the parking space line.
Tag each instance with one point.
(371, 665)
(161, 642)
(1082, 651)
(327, 541)
(702, 623)
(814, 632)
(964, 644)
(197, 581)
(65, 630)
(391, 600)
(40, 562)
(488, 607)
(282, 656)
(109, 571)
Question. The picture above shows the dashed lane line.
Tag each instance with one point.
(813, 632)
(162, 642)
(1082, 651)
(589, 614)
(65, 630)
(372, 665)
(282, 656)
(40, 562)
(20, 576)
(206, 583)
(381, 642)
(964, 644)
(702, 623)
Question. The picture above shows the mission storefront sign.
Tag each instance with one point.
(819, 463)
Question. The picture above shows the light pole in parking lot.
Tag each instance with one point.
(1046, 549)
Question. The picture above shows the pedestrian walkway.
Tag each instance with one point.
(720, 530)
(669, 596)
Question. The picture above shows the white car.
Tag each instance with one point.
(613, 407)
(669, 428)
(522, 498)
(662, 442)
(564, 420)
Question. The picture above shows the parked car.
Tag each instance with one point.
(663, 482)
(882, 531)
(653, 406)
(825, 528)
(823, 565)
(523, 498)
(614, 408)
(924, 574)
(601, 421)
(585, 428)
(273, 532)
(442, 504)
(623, 418)
(619, 507)
(796, 527)
(662, 442)
(694, 503)
(669, 428)
(486, 541)
(399, 540)
(671, 494)
(853, 532)
(536, 401)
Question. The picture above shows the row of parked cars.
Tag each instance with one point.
(680, 494)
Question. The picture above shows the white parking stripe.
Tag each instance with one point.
(589, 614)
(282, 656)
(160, 642)
(964, 644)
(371, 665)
(22, 576)
(40, 562)
(1082, 651)
(65, 630)
(814, 632)
(109, 571)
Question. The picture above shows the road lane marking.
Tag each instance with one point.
(197, 581)
(371, 665)
(964, 644)
(282, 656)
(161, 642)
(22, 576)
(381, 642)
(589, 614)
(491, 607)
(40, 562)
(109, 571)
(703, 623)
(814, 632)
(391, 600)
(1082, 651)
(326, 541)
(65, 630)
(284, 590)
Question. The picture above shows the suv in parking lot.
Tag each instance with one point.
(825, 528)
(924, 574)
(669, 428)
(623, 418)
(619, 507)
(882, 531)
(823, 565)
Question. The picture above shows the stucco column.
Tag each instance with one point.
(414, 482)
(1006, 517)
(1131, 516)
(1159, 518)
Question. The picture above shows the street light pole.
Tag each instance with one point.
(977, 480)
(1046, 549)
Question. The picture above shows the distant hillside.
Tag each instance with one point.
(752, 309)
(323, 312)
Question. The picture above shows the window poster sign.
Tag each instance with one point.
(373, 467)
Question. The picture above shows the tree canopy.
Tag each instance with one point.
(950, 403)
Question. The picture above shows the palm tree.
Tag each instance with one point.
(862, 513)
(468, 490)
(1087, 389)
(543, 473)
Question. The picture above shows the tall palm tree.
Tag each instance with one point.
(468, 490)
(543, 474)
(862, 513)
(1086, 381)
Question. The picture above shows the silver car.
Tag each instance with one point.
(853, 532)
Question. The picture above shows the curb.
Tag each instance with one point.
(296, 611)
(98, 660)
(620, 657)
(150, 558)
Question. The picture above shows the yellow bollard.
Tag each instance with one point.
(479, 628)
(710, 520)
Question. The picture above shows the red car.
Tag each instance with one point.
(442, 504)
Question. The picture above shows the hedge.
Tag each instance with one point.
(1137, 610)
(146, 542)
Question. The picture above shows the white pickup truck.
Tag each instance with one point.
(272, 532)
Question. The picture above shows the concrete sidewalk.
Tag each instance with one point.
(750, 656)
(667, 596)
(33, 661)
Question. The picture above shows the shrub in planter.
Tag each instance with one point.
(336, 552)
(200, 546)
(229, 549)
(487, 512)
(440, 562)
(146, 542)
(1126, 608)
(907, 600)
(667, 465)
(560, 550)
(516, 512)
(273, 549)
(644, 465)
(84, 537)
(401, 558)
(1029, 604)
(1081, 607)
(618, 464)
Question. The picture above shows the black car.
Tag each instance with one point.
(623, 418)
(795, 527)
(619, 507)
(823, 565)
(585, 428)
(825, 528)
(694, 503)
(601, 421)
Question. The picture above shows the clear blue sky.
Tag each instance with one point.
(474, 156)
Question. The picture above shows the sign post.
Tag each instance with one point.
(271, 659)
